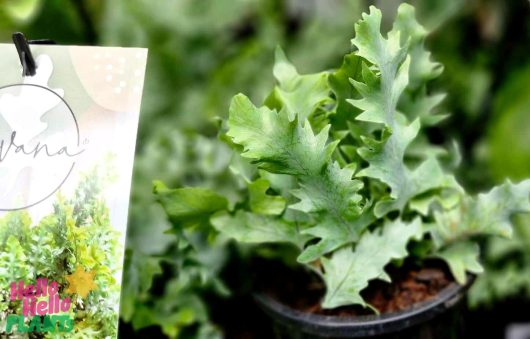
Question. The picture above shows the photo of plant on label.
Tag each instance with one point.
(67, 141)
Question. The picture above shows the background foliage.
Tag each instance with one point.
(204, 52)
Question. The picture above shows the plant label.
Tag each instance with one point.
(67, 141)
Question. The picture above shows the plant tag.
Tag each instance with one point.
(67, 140)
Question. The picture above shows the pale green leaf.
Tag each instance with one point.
(280, 145)
(295, 93)
(462, 257)
(261, 202)
(381, 92)
(348, 272)
(279, 182)
(487, 214)
(422, 68)
(446, 199)
(373, 46)
(274, 141)
(415, 102)
(334, 237)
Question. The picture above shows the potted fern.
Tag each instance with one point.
(339, 165)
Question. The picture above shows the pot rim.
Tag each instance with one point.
(365, 325)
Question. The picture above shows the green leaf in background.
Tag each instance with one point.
(247, 227)
(297, 94)
(507, 264)
(348, 272)
(498, 284)
(487, 214)
(261, 202)
(139, 271)
(507, 268)
(179, 308)
(189, 205)
(462, 257)
(437, 12)
(507, 138)
(21, 10)
(339, 82)
(446, 199)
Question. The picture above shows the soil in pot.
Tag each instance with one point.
(413, 298)
(303, 291)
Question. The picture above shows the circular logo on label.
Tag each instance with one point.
(39, 143)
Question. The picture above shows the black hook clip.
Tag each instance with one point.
(29, 66)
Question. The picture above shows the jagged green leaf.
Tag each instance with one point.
(381, 92)
(372, 46)
(333, 237)
(275, 142)
(462, 257)
(295, 93)
(422, 67)
(348, 272)
(280, 145)
(415, 101)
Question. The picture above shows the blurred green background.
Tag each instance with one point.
(202, 52)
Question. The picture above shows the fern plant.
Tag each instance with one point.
(339, 164)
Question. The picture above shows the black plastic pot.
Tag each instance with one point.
(438, 318)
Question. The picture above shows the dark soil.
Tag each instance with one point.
(304, 291)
